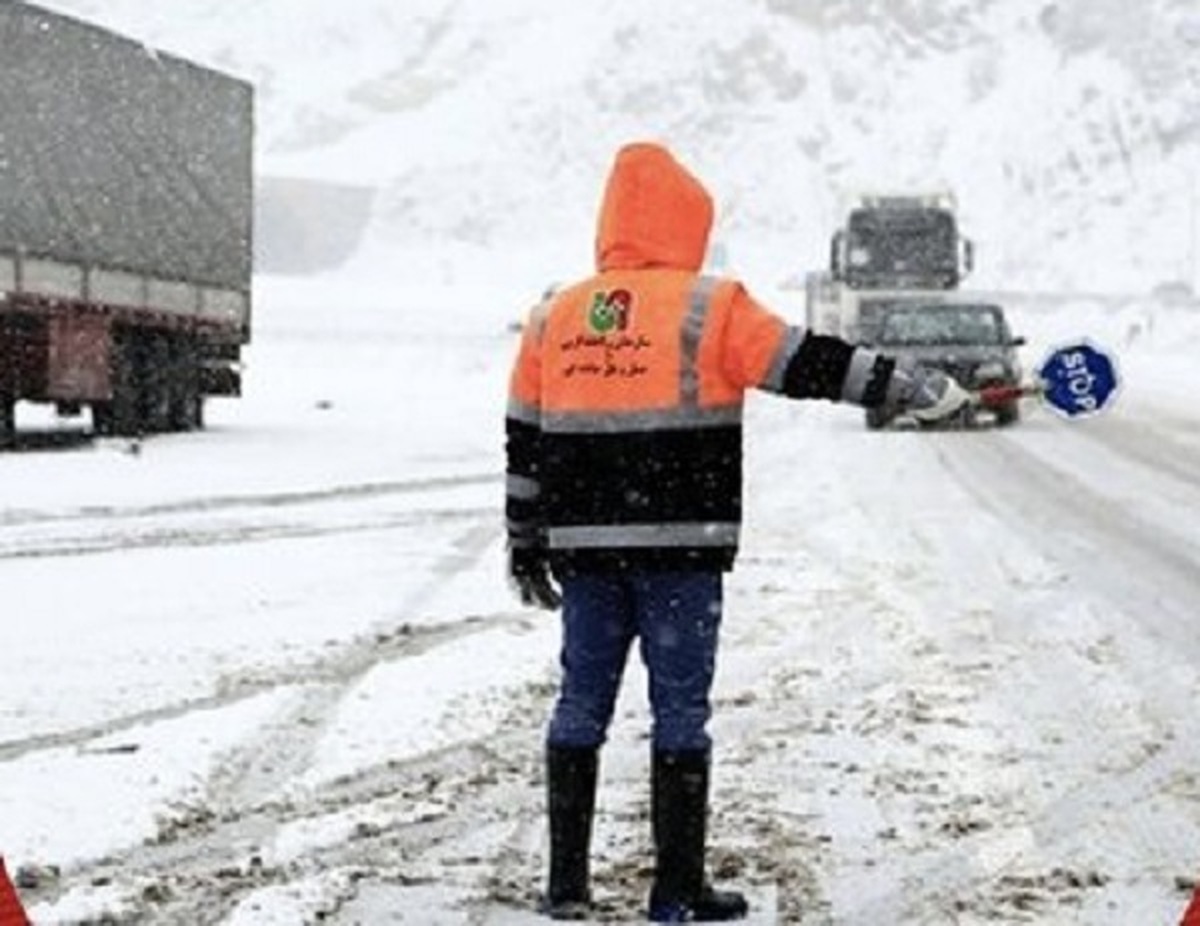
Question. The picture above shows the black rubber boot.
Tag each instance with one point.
(679, 813)
(571, 802)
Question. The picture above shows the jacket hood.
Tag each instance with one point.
(654, 213)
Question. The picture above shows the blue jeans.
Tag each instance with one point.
(676, 617)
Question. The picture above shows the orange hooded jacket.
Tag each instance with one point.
(625, 401)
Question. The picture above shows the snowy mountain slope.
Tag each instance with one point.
(1070, 130)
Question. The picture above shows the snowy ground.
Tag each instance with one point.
(270, 673)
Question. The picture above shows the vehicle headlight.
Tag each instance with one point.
(993, 369)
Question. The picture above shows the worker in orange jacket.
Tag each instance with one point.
(624, 485)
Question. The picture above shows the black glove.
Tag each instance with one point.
(529, 575)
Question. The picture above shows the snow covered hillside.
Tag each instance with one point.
(1069, 130)
(269, 673)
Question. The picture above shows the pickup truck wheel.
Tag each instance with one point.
(1008, 414)
(876, 418)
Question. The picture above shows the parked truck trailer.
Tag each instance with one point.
(126, 198)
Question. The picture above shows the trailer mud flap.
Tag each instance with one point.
(78, 363)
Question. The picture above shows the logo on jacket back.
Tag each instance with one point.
(609, 311)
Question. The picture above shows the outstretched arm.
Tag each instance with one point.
(768, 353)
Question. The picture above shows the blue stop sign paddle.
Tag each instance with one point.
(1078, 380)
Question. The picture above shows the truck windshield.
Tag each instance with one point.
(902, 248)
(965, 325)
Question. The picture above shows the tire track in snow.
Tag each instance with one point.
(954, 784)
(393, 826)
(339, 669)
(202, 862)
(156, 536)
(1124, 652)
(227, 520)
(1164, 450)
(1159, 578)
(347, 664)
(339, 493)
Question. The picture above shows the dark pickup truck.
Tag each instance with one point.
(971, 341)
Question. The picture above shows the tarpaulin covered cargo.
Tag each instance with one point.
(126, 204)
(115, 155)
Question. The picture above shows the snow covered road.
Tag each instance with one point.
(270, 673)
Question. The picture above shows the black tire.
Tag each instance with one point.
(187, 402)
(187, 412)
(876, 419)
(1007, 415)
(120, 416)
(155, 375)
(8, 422)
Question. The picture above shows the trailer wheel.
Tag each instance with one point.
(187, 411)
(187, 402)
(117, 418)
(120, 416)
(154, 369)
(8, 422)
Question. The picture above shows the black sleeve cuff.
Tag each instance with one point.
(818, 368)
